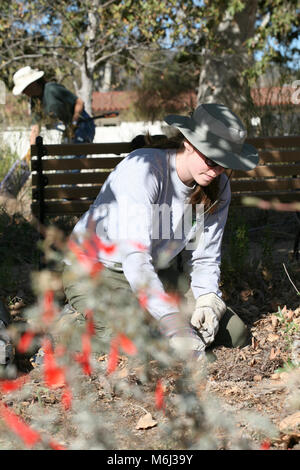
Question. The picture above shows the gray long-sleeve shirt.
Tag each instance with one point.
(143, 208)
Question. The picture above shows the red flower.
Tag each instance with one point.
(113, 356)
(90, 249)
(265, 445)
(25, 341)
(95, 269)
(159, 396)
(29, 436)
(143, 299)
(54, 375)
(90, 326)
(55, 446)
(172, 299)
(83, 358)
(91, 266)
(139, 246)
(108, 249)
(66, 398)
(126, 344)
(60, 350)
(49, 308)
(7, 386)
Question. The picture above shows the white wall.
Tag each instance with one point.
(18, 138)
(126, 131)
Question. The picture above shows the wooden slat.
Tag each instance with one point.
(57, 179)
(268, 171)
(279, 156)
(83, 149)
(125, 147)
(79, 207)
(271, 150)
(265, 185)
(236, 198)
(89, 192)
(63, 208)
(275, 142)
(77, 163)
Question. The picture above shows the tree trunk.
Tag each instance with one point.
(86, 89)
(221, 79)
(107, 75)
(88, 66)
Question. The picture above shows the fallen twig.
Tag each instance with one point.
(290, 279)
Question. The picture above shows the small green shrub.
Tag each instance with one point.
(7, 159)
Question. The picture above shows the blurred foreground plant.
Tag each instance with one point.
(153, 376)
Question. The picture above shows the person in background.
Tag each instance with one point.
(51, 103)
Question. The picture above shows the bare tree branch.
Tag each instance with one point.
(115, 53)
(21, 57)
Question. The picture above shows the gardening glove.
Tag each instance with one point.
(187, 345)
(207, 315)
(181, 336)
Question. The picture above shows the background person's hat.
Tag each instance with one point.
(219, 134)
(24, 77)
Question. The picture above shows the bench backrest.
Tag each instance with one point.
(58, 191)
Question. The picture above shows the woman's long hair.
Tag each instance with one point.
(206, 195)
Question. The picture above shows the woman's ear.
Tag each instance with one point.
(188, 146)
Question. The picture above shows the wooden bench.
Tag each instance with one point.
(58, 191)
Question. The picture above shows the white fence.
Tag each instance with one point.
(18, 138)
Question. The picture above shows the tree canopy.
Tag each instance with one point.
(72, 40)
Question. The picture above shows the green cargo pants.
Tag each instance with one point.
(232, 330)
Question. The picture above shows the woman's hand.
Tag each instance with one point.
(207, 315)
(182, 338)
(187, 344)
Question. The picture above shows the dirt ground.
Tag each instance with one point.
(257, 379)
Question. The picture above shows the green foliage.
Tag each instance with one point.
(248, 260)
(288, 366)
(165, 87)
(74, 40)
(236, 255)
(267, 243)
(7, 159)
(72, 36)
(289, 327)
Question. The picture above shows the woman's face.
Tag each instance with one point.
(195, 167)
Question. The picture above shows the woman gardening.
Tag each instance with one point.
(165, 207)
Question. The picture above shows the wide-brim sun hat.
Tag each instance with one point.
(24, 77)
(219, 134)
